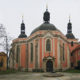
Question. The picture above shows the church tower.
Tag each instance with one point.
(22, 34)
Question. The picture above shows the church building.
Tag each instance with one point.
(46, 49)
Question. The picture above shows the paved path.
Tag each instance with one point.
(38, 76)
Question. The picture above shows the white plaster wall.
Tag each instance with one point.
(68, 57)
(58, 53)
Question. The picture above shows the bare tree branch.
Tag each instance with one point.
(4, 39)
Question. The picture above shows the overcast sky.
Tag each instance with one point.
(11, 12)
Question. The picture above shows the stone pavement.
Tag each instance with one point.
(38, 76)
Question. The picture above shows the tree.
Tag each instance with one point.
(2, 36)
(4, 41)
(2, 31)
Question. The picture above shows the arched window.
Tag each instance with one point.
(48, 45)
(17, 54)
(63, 52)
(31, 52)
(1, 63)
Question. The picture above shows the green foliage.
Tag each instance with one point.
(37, 70)
(8, 72)
(72, 71)
(26, 70)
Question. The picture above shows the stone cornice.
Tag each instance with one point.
(39, 35)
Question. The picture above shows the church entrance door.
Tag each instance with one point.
(49, 66)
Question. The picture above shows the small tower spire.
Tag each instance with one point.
(22, 34)
(22, 19)
(69, 27)
(69, 34)
(69, 18)
(46, 16)
(46, 7)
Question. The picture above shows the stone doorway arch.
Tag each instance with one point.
(48, 61)
(49, 66)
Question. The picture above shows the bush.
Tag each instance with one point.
(8, 71)
(26, 70)
(72, 71)
(37, 70)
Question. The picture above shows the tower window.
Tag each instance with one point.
(31, 52)
(48, 45)
(72, 44)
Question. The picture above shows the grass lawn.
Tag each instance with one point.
(7, 72)
(72, 71)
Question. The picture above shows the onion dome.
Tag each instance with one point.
(69, 34)
(46, 16)
(46, 25)
(22, 35)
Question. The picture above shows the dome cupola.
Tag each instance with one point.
(46, 25)
(46, 16)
